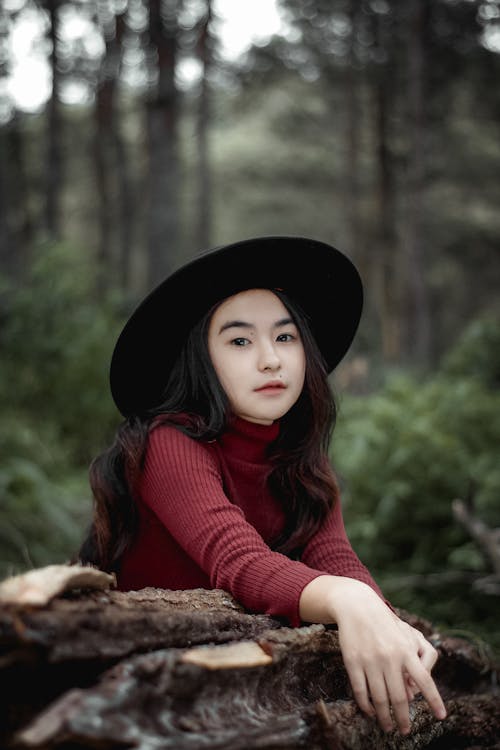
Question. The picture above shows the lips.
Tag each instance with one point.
(273, 385)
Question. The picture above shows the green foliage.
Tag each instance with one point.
(41, 519)
(404, 454)
(57, 342)
(44, 499)
(477, 353)
(56, 411)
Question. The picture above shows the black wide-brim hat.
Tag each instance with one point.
(323, 281)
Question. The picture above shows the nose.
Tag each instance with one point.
(268, 358)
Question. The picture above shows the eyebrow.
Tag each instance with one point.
(242, 324)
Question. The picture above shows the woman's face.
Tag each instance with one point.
(258, 356)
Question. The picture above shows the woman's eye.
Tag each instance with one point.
(285, 337)
(240, 341)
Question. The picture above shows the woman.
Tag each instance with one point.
(219, 476)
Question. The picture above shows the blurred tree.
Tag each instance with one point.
(19, 195)
(386, 262)
(405, 61)
(355, 47)
(16, 226)
(348, 127)
(111, 160)
(5, 238)
(6, 245)
(419, 324)
(54, 161)
(9, 238)
(163, 146)
(353, 132)
(204, 50)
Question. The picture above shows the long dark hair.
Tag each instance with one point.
(195, 403)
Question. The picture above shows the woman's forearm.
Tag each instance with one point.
(385, 658)
(323, 599)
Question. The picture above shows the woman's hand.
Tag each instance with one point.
(386, 659)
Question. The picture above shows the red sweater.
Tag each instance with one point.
(206, 518)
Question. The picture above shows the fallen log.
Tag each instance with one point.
(187, 670)
(38, 587)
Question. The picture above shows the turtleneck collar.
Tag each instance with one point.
(248, 441)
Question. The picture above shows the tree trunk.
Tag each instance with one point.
(162, 121)
(389, 262)
(420, 330)
(386, 263)
(16, 227)
(20, 189)
(191, 669)
(54, 132)
(103, 158)
(126, 214)
(8, 246)
(127, 208)
(111, 166)
(204, 202)
(352, 124)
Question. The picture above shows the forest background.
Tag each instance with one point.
(371, 124)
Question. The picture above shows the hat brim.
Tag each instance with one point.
(322, 280)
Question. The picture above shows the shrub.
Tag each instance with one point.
(56, 341)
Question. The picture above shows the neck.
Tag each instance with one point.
(249, 440)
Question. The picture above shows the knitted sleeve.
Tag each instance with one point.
(183, 486)
(330, 550)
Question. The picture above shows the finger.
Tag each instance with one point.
(411, 688)
(380, 699)
(397, 691)
(428, 689)
(409, 693)
(410, 682)
(428, 655)
(360, 690)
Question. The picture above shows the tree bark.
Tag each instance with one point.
(191, 669)
(8, 245)
(204, 185)
(115, 207)
(353, 121)
(103, 159)
(16, 226)
(386, 263)
(54, 130)
(420, 324)
(126, 202)
(386, 256)
(162, 122)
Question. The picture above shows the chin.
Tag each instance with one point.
(267, 413)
